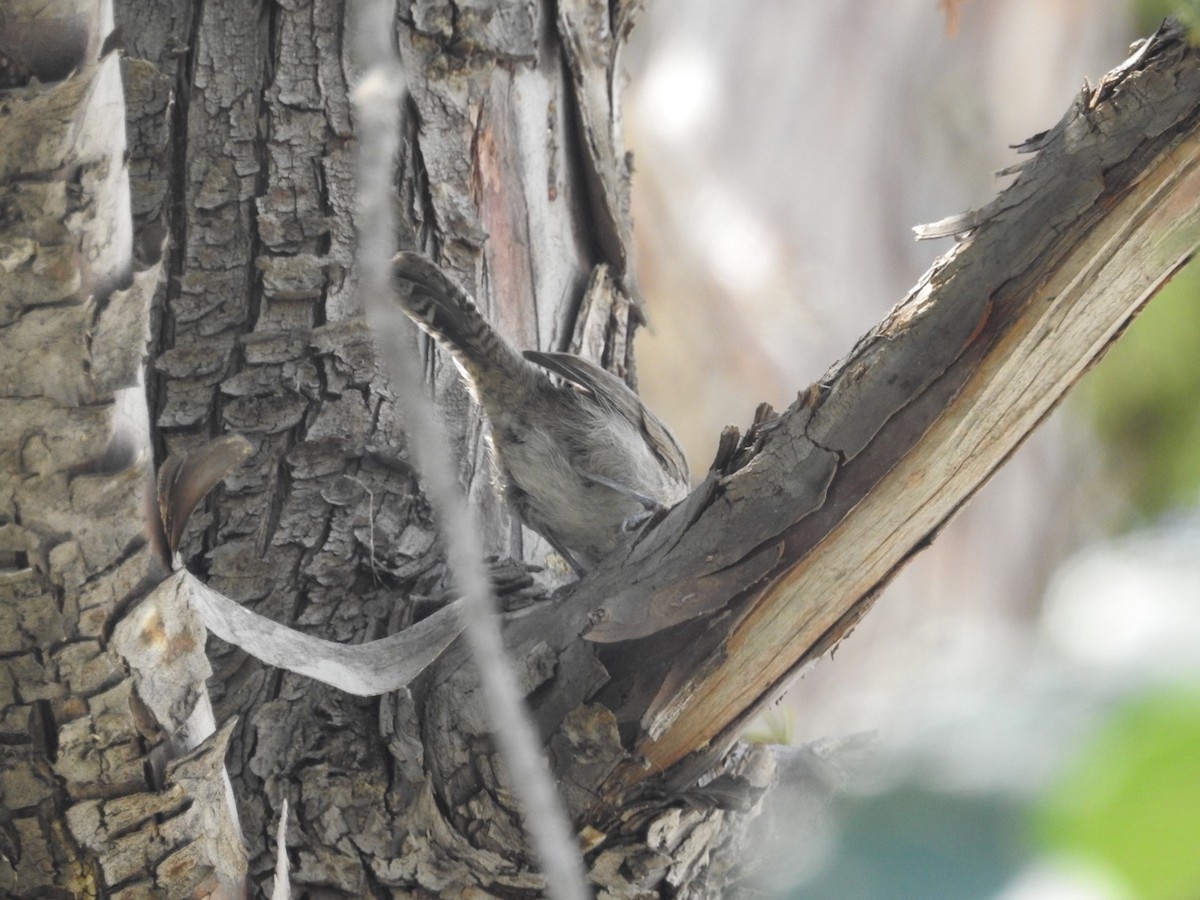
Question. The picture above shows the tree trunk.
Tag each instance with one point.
(513, 176)
(113, 778)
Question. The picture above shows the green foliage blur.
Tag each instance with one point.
(1131, 802)
(775, 726)
(1150, 13)
(1144, 401)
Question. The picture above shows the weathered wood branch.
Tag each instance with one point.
(783, 548)
(970, 363)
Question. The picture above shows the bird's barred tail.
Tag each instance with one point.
(431, 299)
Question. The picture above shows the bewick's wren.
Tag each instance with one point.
(582, 461)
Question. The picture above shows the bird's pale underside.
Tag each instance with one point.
(581, 458)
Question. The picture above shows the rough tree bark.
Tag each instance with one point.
(112, 772)
(513, 176)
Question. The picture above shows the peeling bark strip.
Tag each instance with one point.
(113, 783)
(793, 538)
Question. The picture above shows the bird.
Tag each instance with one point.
(581, 460)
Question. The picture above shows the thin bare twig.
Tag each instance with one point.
(378, 100)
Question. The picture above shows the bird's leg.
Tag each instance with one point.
(632, 522)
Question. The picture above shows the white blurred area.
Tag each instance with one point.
(783, 151)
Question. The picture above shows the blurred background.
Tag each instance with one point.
(1019, 715)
